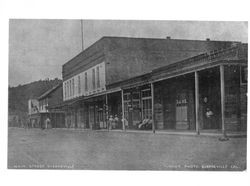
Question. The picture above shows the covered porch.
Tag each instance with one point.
(205, 94)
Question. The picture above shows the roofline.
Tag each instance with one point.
(88, 48)
(138, 38)
(48, 92)
(176, 39)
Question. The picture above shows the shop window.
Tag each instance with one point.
(147, 108)
(136, 106)
(146, 104)
(127, 96)
(127, 104)
(136, 99)
(232, 91)
(146, 93)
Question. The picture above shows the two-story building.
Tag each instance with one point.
(177, 84)
(45, 106)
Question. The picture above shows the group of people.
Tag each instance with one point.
(116, 122)
(113, 122)
(31, 123)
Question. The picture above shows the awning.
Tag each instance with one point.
(76, 101)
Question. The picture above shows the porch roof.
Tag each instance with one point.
(234, 55)
(77, 100)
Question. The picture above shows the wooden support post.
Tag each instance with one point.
(196, 76)
(222, 89)
(50, 117)
(75, 117)
(152, 98)
(103, 113)
(123, 117)
(106, 103)
(54, 120)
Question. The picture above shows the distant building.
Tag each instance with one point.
(33, 106)
(169, 84)
(15, 119)
(41, 108)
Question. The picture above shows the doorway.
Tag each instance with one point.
(92, 116)
(210, 99)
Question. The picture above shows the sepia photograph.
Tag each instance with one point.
(93, 94)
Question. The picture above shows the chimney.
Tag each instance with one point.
(168, 37)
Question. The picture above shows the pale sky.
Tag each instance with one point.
(39, 48)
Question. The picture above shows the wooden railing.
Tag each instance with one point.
(215, 55)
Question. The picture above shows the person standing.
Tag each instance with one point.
(116, 121)
(110, 122)
(47, 123)
(125, 121)
(207, 114)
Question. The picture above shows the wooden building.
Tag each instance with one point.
(157, 84)
(46, 106)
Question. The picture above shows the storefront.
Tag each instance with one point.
(201, 94)
(57, 119)
(95, 113)
(114, 106)
(236, 97)
(174, 106)
(209, 99)
(137, 104)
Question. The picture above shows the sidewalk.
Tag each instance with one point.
(212, 133)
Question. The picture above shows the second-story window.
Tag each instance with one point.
(86, 81)
(93, 78)
(98, 76)
(70, 88)
(65, 90)
(79, 85)
(73, 87)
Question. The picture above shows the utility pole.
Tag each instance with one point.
(82, 34)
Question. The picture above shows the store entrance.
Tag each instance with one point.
(115, 110)
(181, 110)
(178, 103)
(92, 116)
(210, 101)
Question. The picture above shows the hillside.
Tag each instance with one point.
(19, 96)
